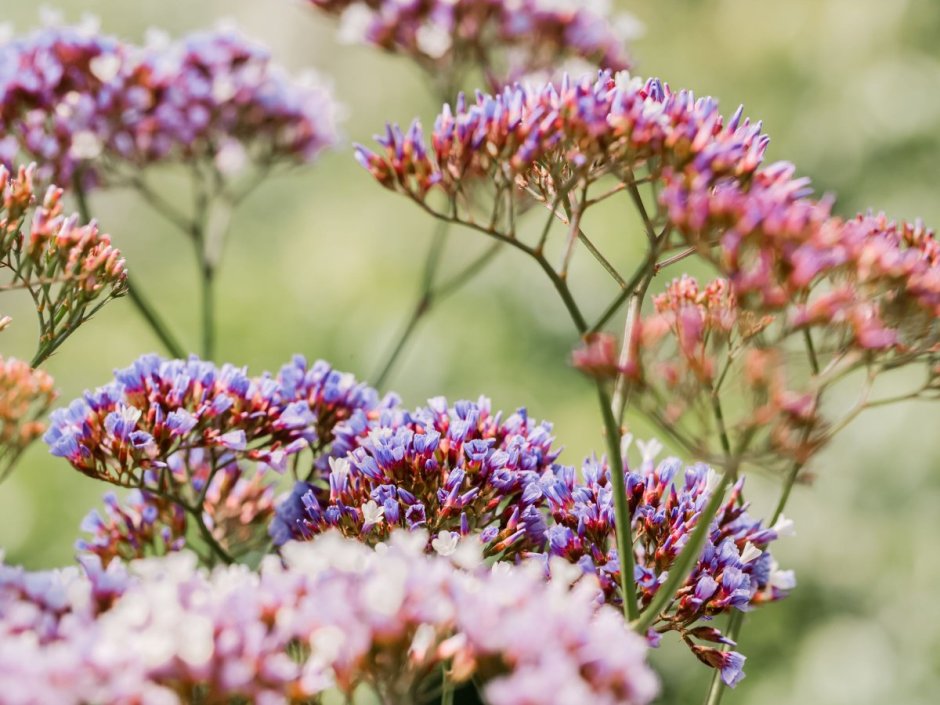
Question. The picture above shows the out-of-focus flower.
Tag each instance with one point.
(25, 395)
(734, 570)
(502, 39)
(334, 614)
(65, 266)
(95, 108)
(459, 469)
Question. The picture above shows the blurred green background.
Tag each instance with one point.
(327, 263)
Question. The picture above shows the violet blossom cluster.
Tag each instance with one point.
(542, 139)
(71, 270)
(93, 107)
(159, 415)
(734, 570)
(503, 39)
(451, 470)
(334, 616)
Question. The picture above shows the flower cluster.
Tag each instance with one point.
(700, 347)
(505, 40)
(547, 138)
(449, 470)
(237, 506)
(336, 616)
(65, 266)
(140, 525)
(25, 395)
(162, 414)
(734, 570)
(866, 282)
(90, 106)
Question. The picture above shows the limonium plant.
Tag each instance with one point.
(296, 536)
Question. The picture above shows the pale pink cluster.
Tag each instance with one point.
(334, 616)
(870, 282)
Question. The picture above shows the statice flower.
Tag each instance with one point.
(452, 471)
(94, 108)
(159, 409)
(25, 395)
(542, 140)
(70, 270)
(331, 396)
(141, 524)
(334, 615)
(734, 571)
(865, 282)
(503, 39)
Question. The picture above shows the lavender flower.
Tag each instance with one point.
(143, 524)
(334, 615)
(734, 570)
(451, 470)
(504, 39)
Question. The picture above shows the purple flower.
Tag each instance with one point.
(461, 469)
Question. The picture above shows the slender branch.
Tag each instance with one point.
(621, 506)
(140, 301)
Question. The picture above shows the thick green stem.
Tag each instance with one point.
(621, 506)
(682, 566)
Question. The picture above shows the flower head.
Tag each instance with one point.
(460, 469)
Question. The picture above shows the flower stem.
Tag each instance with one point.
(143, 306)
(208, 311)
(621, 506)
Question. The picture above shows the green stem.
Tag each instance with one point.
(717, 687)
(621, 506)
(143, 306)
(208, 311)
(447, 688)
(150, 315)
(686, 558)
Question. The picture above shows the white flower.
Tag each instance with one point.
(781, 579)
(445, 543)
(649, 449)
(784, 527)
(105, 67)
(433, 39)
(372, 514)
(354, 24)
(712, 480)
(85, 145)
(750, 553)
